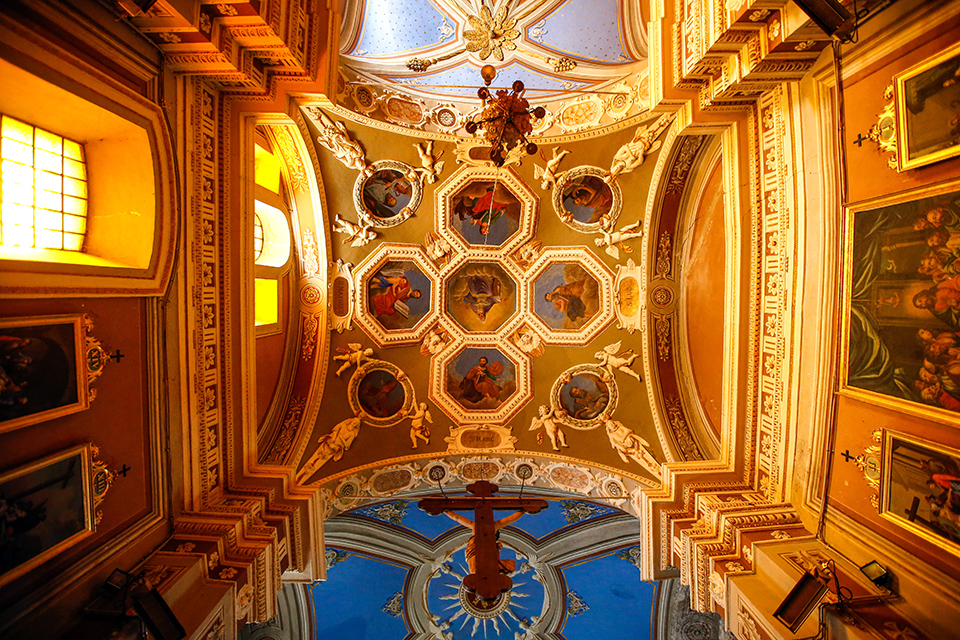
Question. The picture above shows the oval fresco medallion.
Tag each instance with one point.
(380, 393)
(398, 295)
(481, 296)
(485, 213)
(388, 196)
(480, 379)
(582, 394)
(585, 202)
(566, 297)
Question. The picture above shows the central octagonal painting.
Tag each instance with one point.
(481, 296)
(481, 378)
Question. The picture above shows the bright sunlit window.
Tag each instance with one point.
(257, 237)
(43, 188)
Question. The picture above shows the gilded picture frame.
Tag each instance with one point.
(45, 370)
(917, 482)
(925, 94)
(52, 504)
(898, 300)
(389, 195)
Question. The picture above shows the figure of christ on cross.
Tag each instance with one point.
(487, 577)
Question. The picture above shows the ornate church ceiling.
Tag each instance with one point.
(416, 63)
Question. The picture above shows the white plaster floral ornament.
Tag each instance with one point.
(491, 35)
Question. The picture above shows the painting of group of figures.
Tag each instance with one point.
(904, 300)
(921, 488)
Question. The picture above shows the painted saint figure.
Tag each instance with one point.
(395, 291)
(482, 293)
(481, 382)
(482, 211)
(568, 299)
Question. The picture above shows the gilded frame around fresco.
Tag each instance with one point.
(80, 366)
(904, 162)
(865, 395)
(88, 515)
(886, 473)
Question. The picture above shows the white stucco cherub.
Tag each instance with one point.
(548, 175)
(628, 445)
(610, 359)
(546, 419)
(418, 425)
(433, 342)
(358, 234)
(631, 155)
(528, 341)
(355, 355)
(432, 166)
(610, 240)
(437, 248)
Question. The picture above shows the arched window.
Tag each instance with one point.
(271, 238)
(43, 188)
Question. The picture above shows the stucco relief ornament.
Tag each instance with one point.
(612, 241)
(631, 155)
(547, 420)
(547, 175)
(332, 447)
(334, 137)
(528, 341)
(610, 359)
(434, 342)
(432, 166)
(528, 253)
(437, 248)
(418, 424)
(628, 445)
(358, 233)
(355, 355)
(491, 35)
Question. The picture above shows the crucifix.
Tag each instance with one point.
(487, 577)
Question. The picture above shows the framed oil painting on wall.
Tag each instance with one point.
(920, 488)
(48, 506)
(44, 369)
(928, 110)
(901, 315)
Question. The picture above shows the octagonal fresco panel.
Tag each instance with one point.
(481, 378)
(398, 295)
(566, 297)
(485, 213)
(481, 296)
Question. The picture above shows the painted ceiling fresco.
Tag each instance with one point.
(395, 572)
(416, 62)
(485, 309)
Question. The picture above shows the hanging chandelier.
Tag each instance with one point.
(505, 119)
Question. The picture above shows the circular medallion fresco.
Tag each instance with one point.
(585, 202)
(380, 393)
(481, 296)
(582, 394)
(481, 378)
(389, 195)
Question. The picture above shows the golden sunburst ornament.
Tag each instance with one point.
(491, 35)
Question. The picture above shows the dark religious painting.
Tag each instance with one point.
(903, 322)
(920, 489)
(385, 194)
(380, 394)
(41, 369)
(585, 397)
(485, 213)
(928, 107)
(45, 507)
(481, 378)
(588, 199)
(566, 296)
(398, 295)
(481, 296)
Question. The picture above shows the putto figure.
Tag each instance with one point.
(547, 419)
(355, 355)
(357, 234)
(610, 360)
(418, 425)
